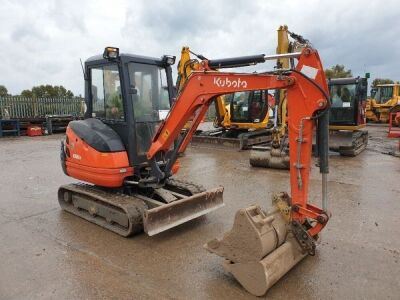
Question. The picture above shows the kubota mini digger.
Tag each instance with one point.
(129, 161)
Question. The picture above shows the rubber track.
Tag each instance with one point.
(186, 185)
(113, 202)
(359, 144)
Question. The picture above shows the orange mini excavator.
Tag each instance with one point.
(127, 154)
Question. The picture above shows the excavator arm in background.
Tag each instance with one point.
(276, 155)
(186, 66)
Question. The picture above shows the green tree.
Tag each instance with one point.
(377, 81)
(3, 91)
(338, 71)
(26, 94)
(48, 91)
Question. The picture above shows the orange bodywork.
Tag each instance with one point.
(394, 125)
(85, 163)
(304, 100)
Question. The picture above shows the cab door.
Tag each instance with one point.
(106, 98)
(150, 102)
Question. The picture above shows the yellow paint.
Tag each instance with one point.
(343, 127)
(165, 134)
(379, 112)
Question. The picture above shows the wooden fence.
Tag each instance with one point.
(21, 107)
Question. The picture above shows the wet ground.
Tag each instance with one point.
(48, 254)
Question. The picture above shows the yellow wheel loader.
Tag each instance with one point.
(383, 98)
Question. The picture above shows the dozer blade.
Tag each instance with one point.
(164, 217)
(260, 248)
(269, 158)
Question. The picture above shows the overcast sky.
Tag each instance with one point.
(42, 41)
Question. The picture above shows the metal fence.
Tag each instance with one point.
(21, 107)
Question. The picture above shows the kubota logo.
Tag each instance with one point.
(218, 81)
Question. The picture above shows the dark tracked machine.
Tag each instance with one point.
(347, 119)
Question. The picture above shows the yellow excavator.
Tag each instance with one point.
(276, 154)
(242, 118)
(383, 98)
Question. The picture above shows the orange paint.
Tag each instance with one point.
(107, 169)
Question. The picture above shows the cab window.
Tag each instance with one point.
(343, 95)
(106, 93)
(149, 92)
(240, 105)
(387, 93)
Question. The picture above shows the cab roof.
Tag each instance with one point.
(126, 57)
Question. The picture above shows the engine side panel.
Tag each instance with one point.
(85, 163)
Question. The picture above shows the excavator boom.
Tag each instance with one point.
(307, 94)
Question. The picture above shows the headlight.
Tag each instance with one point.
(169, 59)
(111, 53)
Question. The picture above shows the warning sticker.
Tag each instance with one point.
(309, 71)
(346, 104)
(165, 134)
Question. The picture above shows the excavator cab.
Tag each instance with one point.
(348, 97)
(130, 94)
(383, 93)
(347, 115)
(248, 107)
